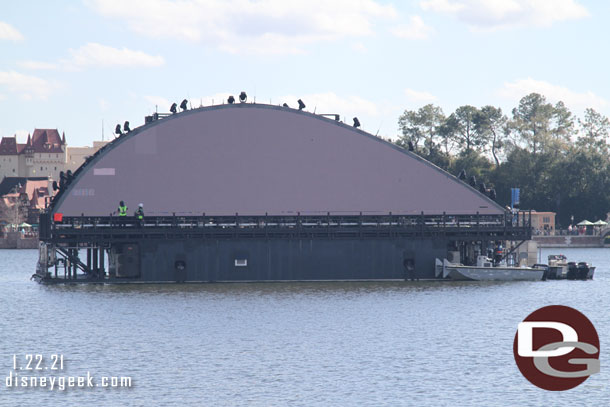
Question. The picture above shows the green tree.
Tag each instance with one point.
(491, 125)
(514, 172)
(421, 128)
(582, 181)
(532, 121)
(460, 126)
(474, 163)
(562, 128)
(594, 129)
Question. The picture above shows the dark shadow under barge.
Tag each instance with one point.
(259, 248)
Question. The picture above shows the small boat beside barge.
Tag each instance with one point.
(561, 269)
(486, 271)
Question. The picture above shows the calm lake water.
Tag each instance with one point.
(335, 344)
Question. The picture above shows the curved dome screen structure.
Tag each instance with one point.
(254, 159)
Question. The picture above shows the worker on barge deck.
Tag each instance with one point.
(122, 211)
(139, 214)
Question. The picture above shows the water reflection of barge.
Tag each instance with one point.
(250, 192)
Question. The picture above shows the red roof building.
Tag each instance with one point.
(30, 195)
(47, 141)
(43, 155)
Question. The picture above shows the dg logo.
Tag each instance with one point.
(556, 348)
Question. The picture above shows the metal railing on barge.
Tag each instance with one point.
(82, 230)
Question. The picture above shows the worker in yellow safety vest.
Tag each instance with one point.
(139, 214)
(122, 209)
(122, 213)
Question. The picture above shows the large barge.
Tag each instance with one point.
(251, 192)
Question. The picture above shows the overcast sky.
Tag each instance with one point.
(71, 64)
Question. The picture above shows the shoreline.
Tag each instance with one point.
(14, 240)
(570, 241)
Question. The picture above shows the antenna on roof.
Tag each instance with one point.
(102, 129)
(376, 134)
(314, 109)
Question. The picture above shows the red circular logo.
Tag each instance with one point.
(556, 348)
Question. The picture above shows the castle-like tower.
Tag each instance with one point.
(43, 155)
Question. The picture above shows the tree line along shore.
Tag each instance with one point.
(559, 161)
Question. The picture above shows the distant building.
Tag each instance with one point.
(22, 199)
(45, 154)
(78, 155)
(543, 223)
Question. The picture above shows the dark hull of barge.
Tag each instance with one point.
(260, 249)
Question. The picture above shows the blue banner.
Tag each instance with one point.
(514, 197)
